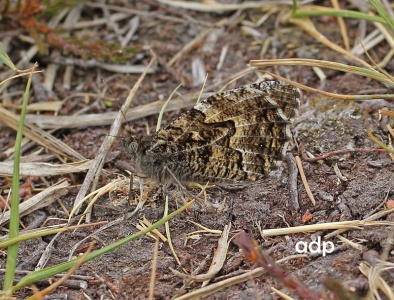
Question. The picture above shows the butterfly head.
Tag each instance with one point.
(131, 145)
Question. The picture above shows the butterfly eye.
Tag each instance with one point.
(131, 145)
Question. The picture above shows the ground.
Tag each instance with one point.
(322, 125)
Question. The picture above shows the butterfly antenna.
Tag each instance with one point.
(117, 104)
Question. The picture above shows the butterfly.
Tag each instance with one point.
(231, 137)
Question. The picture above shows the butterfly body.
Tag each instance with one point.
(231, 137)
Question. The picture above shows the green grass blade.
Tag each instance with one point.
(158, 125)
(338, 13)
(383, 13)
(5, 58)
(12, 253)
(370, 73)
(32, 234)
(48, 272)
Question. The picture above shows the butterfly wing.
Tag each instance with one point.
(234, 136)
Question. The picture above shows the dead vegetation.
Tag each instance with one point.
(93, 56)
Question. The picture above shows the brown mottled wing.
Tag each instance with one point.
(234, 136)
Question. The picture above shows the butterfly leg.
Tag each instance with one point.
(166, 169)
(185, 188)
(131, 192)
(179, 184)
(203, 188)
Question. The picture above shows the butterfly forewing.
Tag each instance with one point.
(234, 136)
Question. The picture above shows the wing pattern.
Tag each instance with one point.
(234, 136)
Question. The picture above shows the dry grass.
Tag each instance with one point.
(42, 126)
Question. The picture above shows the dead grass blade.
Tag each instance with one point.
(366, 44)
(375, 216)
(44, 169)
(204, 229)
(53, 106)
(367, 72)
(38, 201)
(153, 273)
(220, 255)
(167, 224)
(310, 158)
(146, 222)
(309, 27)
(168, 233)
(386, 33)
(98, 22)
(93, 174)
(10, 78)
(304, 181)
(281, 294)
(52, 287)
(350, 243)
(252, 252)
(92, 63)
(39, 136)
(96, 194)
(88, 120)
(54, 122)
(355, 224)
(50, 230)
(189, 46)
(332, 95)
(212, 288)
(342, 26)
(217, 261)
(219, 7)
(376, 282)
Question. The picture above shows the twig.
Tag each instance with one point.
(379, 206)
(153, 273)
(217, 261)
(219, 7)
(40, 200)
(338, 152)
(64, 278)
(293, 191)
(304, 181)
(38, 135)
(253, 253)
(93, 174)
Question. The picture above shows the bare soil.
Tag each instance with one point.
(322, 126)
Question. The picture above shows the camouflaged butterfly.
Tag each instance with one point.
(232, 137)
